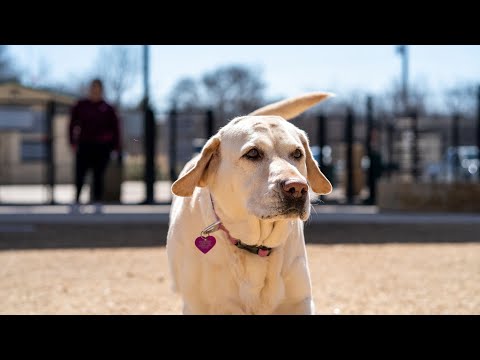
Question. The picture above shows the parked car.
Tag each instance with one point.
(457, 164)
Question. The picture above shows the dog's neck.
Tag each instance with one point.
(248, 228)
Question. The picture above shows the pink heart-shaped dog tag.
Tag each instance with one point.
(205, 244)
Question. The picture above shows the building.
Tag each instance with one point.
(23, 137)
(23, 134)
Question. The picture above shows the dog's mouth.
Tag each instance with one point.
(274, 206)
(291, 213)
(289, 210)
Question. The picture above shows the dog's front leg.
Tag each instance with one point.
(224, 308)
(303, 307)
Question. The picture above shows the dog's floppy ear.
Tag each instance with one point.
(315, 177)
(196, 172)
(290, 108)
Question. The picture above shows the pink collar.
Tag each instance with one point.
(261, 251)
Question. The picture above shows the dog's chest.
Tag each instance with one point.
(257, 281)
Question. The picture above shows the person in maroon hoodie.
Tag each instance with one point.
(94, 133)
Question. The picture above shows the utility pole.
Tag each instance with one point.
(402, 50)
(146, 57)
(149, 132)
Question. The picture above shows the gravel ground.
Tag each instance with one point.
(347, 279)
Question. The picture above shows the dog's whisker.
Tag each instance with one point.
(313, 208)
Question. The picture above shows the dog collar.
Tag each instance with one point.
(261, 251)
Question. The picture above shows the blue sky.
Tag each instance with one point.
(287, 69)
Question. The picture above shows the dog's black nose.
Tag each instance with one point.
(294, 188)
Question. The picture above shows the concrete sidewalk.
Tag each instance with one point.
(30, 226)
(131, 214)
(132, 192)
(45, 227)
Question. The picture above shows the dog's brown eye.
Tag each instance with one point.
(253, 154)
(297, 154)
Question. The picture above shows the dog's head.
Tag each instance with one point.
(261, 163)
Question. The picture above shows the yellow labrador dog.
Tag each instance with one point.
(235, 243)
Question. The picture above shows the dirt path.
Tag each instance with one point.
(347, 279)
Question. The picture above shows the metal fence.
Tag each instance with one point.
(353, 150)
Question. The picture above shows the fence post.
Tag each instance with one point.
(149, 154)
(390, 140)
(370, 174)
(49, 150)
(349, 155)
(321, 136)
(209, 123)
(455, 144)
(478, 125)
(172, 119)
(415, 159)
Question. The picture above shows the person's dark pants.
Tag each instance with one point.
(94, 156)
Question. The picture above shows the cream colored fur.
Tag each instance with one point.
(228, 280)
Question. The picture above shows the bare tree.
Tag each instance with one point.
(353, 99)
(461, 99)
(230, 91)
(7, 69)
(77, 85)
(41, 75)
(391, 100)
(117, 66)
(234, 90)
(185, 95)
